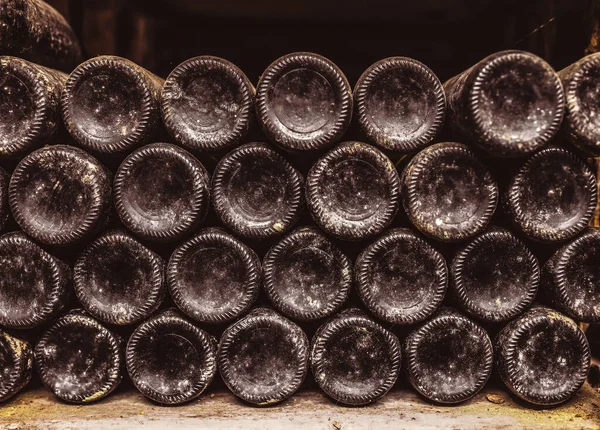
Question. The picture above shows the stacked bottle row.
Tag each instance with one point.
(510, 104)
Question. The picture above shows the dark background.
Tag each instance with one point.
(447, 35)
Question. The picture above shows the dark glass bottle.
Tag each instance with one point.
(511, 103)
(78, 359)
(495, 277)
(4, 209)
(161, 192)
(34, 30)
(16, 365)
(581, 124)
(447, 193)
(353, 191)
(263, 357)
(542, 356)
(256, 192)
(29, 105)
(400, 104)
(60, 195)
(354, 360)
(213, 277)
(207, 104)
(400, 278)
(110, 105)
(34, 286)
(118, 280)
(449, 358)
(571, 278)
(305, 276)
(170, 360)
(552, 197)
(303, 102)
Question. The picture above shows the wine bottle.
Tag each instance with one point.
(511, 103)
(34, 286)
(110, 105)
(305, 276)
(447, 193)
(581, 81)
(4, 209)
(213, 277)
(400, 278)
(263, 357)
(16, 365)
(60, 195)
(400, 104)
(170, 360)
(542, 356)
(161, 192)
(571, 278)
(353, 191)
(495, 277)
(207, 104)
(30, 104)
(35, 31)
(552, 197)
(449, 358)
(354, 360)
(118, 280)
(256, 192)
(303, 102)
(78, 359)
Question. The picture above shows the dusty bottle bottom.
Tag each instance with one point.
(305, 276)
(263, 357)
(401, 278)
(170, 360)
(78, 359)
(543, 357)
(214, 278)
(355, 360)
(449, 358)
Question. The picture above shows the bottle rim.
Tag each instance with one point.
(294, 240)
(339, 84)
(460, 262)
(29, 73)
(21, 354)
(148, 105)
(213, 140)
(380, 137)
(434, 325)
(561, 277)
(578, 131)
(371, 254)
(522, 326)
(207, 237)
(96, 179)
(172, 320)
(485, 138)
(411, 177)
(327, 332)
(334, 224)
(83, 288)
(199, 183)
(58, 282)
(532, 228)
(234, 220)
(115, 358)
(264, 318)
